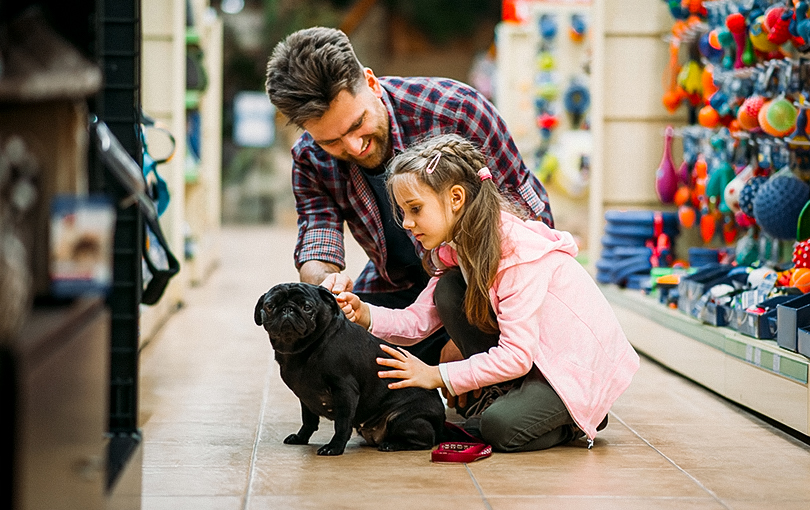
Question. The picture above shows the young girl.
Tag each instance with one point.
(532, 317)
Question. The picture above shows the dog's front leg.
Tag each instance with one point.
(309, 424)
(345, 404)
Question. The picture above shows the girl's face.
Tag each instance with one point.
(430, 216)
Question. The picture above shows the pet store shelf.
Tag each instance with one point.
(757, 374)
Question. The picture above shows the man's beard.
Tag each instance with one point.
(381, 151)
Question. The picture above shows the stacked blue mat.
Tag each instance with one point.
(630, 246)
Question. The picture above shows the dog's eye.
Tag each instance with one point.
(307, 307)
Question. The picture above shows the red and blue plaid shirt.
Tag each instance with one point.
(329, 191)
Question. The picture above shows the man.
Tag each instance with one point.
(353, 123)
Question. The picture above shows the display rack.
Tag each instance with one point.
(203, 181)
(70, 375)
(755, 373)
(171, 31)
(534, 76)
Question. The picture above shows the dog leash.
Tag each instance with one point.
(461, 451)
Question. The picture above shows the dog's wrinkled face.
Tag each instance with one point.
(295, 315)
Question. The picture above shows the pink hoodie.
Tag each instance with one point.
(550, 313)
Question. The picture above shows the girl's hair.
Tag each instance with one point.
(441, 162)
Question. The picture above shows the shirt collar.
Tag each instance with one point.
(397, 142)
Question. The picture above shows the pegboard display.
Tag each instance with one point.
(741, 70)
(542, 91)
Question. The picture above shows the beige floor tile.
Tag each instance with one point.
(192, 503)
(658, 396)
(199, 411)
(587, 480)
(161, 455)
(792, 458)
(207, 480)
(700, 435)
(757, 485)
(200, 433)
(297, 470)
(602, 503)
(361, 501)
(779, 504)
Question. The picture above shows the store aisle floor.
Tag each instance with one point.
(214, 412)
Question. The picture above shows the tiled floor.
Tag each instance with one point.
(214, 412)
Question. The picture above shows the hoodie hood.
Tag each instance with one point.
(536, 240)
(535, 237)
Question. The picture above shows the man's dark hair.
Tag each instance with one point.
(308, 69)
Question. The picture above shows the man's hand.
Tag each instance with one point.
(450, 352)
(337, 283)
(316, 272)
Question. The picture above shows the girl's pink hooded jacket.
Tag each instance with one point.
(550, 313)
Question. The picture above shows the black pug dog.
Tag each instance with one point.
(330, 364)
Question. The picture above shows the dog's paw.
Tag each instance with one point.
(295, 439)
(389, 447)
(331, 450)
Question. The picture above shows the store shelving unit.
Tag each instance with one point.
(203, 182)
(192, 220)
(757, 374)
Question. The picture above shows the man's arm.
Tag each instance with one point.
(315, 271)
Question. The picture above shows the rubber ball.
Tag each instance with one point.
(801, 279)
(779, 203)
(749, 192)
(781, 115)
(801, 254)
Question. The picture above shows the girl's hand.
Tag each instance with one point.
(411, 370)
(354, 309)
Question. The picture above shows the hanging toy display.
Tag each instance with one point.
(561, 100)
(777, 117)
(731, 194)
(799, 140)
(748, 112)
(746, 151)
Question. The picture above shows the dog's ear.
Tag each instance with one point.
(329, 299)
(257, 313)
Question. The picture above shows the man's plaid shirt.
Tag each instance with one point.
(329, 192)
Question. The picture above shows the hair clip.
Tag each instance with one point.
(433, 163)
(484, 174)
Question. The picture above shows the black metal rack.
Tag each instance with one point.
(118, 105)
(108, 32)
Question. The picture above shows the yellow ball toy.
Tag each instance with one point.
(759, 36)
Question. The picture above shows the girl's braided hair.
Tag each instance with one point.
(441, 162)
